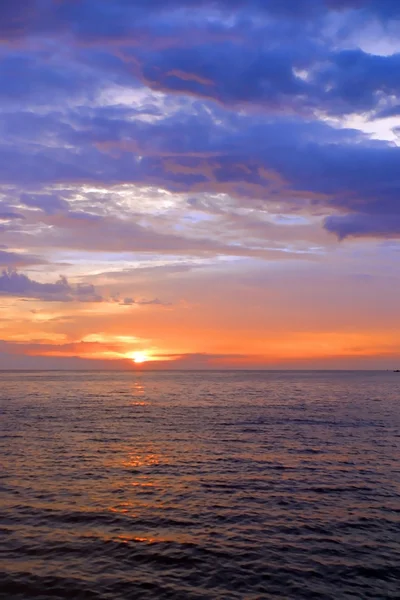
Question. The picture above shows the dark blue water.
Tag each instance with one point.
(228, 485)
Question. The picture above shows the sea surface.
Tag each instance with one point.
(200, 485)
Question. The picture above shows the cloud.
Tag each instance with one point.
(10, 215)
(266, 45)
(364, 225)
(107, 233)
(18, 259)
(336, 82)
(100, 19)
(48, 203)
(259, 76)
(13, 283)
(391, 111)
(242, 111)
(12, 356)
(288, 161)
(357, 82)
(19, 285)
(131, 301)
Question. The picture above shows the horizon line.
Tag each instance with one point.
(146, 370)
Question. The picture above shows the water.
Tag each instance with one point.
(216, 485)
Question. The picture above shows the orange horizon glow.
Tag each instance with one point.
(224, 330)
(226, 349)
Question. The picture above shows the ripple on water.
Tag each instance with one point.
(223, 485)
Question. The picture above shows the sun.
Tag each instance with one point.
(139, 357)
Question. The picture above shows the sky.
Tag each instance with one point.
(200, 184)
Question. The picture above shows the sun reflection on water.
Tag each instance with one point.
(138, 388)
(143, 460)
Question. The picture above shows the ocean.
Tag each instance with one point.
(200, 485)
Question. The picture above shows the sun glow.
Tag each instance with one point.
(139, 357)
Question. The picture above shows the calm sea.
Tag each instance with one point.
(200, 485)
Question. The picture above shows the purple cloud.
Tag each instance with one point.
(364, 225)
(241, 115)
(10, 215)
(290, 161)
(16, 259)
(101, 19)
(48, 203)
(17, 284)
